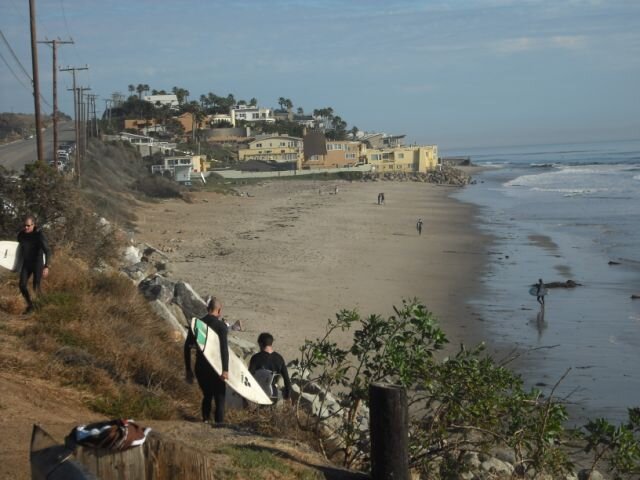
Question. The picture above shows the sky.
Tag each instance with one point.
(456, 73)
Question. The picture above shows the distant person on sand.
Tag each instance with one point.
(540, 292)
(379, 198)
(32, 244)
(419, 226)
(268, 367)
(213, 386)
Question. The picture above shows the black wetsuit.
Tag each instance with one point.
(212, 386)
(273, 362)
(31, 247)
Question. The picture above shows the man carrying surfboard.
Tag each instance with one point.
(213, 386)
(32, 244)
(540, 292)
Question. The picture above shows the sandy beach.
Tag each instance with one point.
(288, 255)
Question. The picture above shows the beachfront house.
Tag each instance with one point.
(334, 154)
(417, 158)
(273, 148)
(178, 168)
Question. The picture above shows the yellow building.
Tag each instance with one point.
(418, 158)
(273, 148)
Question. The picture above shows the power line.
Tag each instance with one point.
(14, 73)
(27, 87)
(4, 39)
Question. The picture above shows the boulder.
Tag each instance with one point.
(584, 475)
(132, 255)
(157, 287)
(138, 271)
(179, 332)
(188, 299)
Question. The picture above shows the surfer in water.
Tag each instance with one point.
(213, 386)
(540, 292)
(32, 245)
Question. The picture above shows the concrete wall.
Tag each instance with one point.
(237, 174)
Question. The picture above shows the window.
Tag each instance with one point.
(350, 156)
(258, 145)
(401, 155)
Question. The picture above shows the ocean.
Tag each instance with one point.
(564, 212)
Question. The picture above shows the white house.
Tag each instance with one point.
(180, 168)
(248, 113)
(170, 99)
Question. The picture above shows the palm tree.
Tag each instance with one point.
(140, 89)
(132, 88)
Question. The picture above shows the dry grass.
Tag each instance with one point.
(96, 333)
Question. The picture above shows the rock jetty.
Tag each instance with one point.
(444, 176)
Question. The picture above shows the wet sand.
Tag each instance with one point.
(291, 254)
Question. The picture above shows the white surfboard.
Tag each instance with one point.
(240, 379)
(9, 257)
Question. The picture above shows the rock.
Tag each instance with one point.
(179, 314)
(611, 262)
(138, 271)
(635, 297)
(132, 255)
(188, 299)
(494, 465)
(584, 475)
(157, 287)
(243, 348)
(505, 455)
(179, 332)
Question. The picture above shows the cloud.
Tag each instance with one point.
(527, 44)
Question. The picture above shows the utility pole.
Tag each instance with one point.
(36, 81)
(54, 46)
(75, 112)
(82, 147)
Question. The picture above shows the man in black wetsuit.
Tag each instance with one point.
(270, 361)
(213, 386)
(32, 244)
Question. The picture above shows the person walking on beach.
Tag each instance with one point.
(267, 366)
(379, 198)
(382, 198)
(419, 226)
(540, 292)
(213, 386)
(32, 244)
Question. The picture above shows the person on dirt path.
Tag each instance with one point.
(32, 247)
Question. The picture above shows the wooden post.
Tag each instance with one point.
(389, 426)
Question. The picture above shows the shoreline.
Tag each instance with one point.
(290, 255)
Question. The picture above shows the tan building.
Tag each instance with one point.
(419, 158)
(339, 154)
(273, 148)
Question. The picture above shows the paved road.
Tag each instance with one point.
(14, 156)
